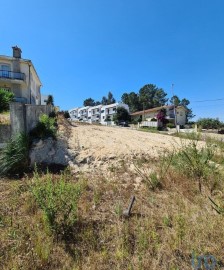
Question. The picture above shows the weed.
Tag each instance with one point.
(195, 162)
(46, 127)
(14, 158)
(58, 199)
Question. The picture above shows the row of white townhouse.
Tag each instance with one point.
(102, 114)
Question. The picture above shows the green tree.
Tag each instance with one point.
(175, 100)
(183, 102)
(5, 98)
(89, 102)
(132, 100)
(104, 100)
(121, 115)
(50, 100)
(150, 96)
(210, 123)
(110, 98)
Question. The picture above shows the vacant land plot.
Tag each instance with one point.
(101, 142)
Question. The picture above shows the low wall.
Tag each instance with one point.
(5, 133)
(24, 117)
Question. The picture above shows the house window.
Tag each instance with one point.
(102, 111)
(114, 109)
(5, 70)
(103, 117)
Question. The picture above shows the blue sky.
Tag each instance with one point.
(85, 48)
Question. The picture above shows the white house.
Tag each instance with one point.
(74, 114)
(94, 114)
(102, 114)
(151, 114)
(107, 112)
(19, 76)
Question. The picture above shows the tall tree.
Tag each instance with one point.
(121, 115)
(50, 100)
(175, 100)
(89, 102)
(110, 98)
(183, 102)
(132, 100)
(150, 96)
(104, 100)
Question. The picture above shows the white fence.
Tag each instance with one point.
(149, 124)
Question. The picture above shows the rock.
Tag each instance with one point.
(52, 152)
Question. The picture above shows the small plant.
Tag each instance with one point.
(118, 209)
(46, 127)
(58, 198)
(170, 125)
(151, 180)
(5, 98)
(14, 158)
(195, 162)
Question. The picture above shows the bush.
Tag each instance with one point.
(58, 198)
(5, 98)
(46, 127)
(195, 162)
(52, 114)
(14, 158)
(210, 123)
(170, 125)
(66, 114)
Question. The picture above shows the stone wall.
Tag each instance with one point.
(5, 133)
(49, 151)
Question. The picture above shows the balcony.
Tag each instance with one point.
(10, 75)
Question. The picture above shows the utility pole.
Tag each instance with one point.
(174, 107)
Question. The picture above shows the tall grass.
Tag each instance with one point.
(14, 158)
(195, 162)
(58, 200)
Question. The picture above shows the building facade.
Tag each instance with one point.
(102, 114)
(177, 114)
(19, 76)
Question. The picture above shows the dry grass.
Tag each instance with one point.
(4, 118)
(167, 223)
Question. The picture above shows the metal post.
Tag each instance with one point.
(127, 212)
(174, 108)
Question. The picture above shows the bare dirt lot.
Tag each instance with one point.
(101, 143)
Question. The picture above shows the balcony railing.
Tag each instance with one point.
(12, 75)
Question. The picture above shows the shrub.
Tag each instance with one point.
(5, 98)
(46, 127)
(66, 114)
(14, 158)
(58, 199)
(153, 120)
(210, 123)
(52, 114)
(170, 125)
(195, 162)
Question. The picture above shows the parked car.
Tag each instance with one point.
(123, 123)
